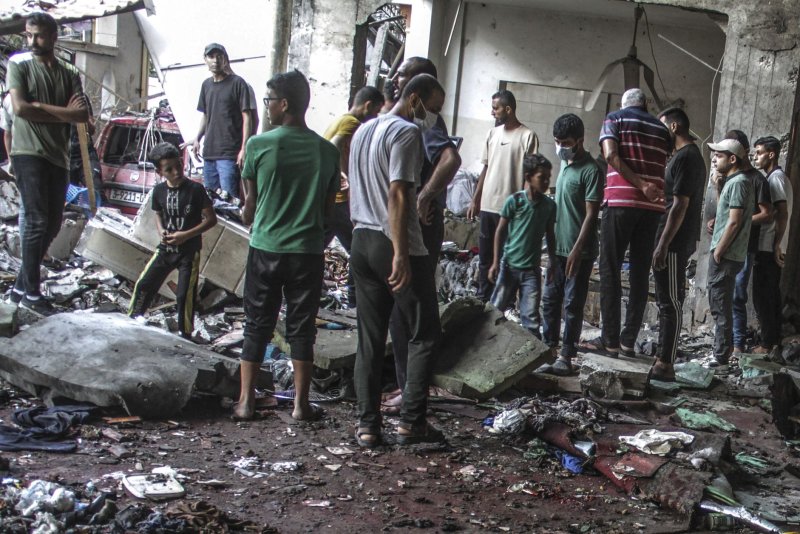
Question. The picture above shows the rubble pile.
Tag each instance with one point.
(457, 273)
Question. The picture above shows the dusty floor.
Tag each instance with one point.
(461, 487)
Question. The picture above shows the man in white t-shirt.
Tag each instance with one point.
(506, 146)
(771, 245)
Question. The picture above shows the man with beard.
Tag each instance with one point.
(47, 96)
(506, 146)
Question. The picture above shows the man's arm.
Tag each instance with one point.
(399, 199)
(587, 229)
(475, 206)
(551, 250)
(611, 153)
(764, 215)
(7, 136)
(342, 143)
(250, 197)
(680, 203)
(446, 168)
(74, 112)
(781, 220)
(195, 143)
(735, 221)
(499, 241)
(247, 131)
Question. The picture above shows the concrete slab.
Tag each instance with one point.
(111, 360)
(482, 353)
(334, 349)
(612, 378)
(8, 319)
(64, 243)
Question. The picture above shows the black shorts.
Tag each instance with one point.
(271, 276)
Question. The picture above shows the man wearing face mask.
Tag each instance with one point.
(390, 263)
(440, 165)
(579, 191)
(506, 146)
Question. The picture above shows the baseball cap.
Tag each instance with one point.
(729, 145)
(214, 46)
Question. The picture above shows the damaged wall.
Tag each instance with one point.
(557, 49)
(322, 48)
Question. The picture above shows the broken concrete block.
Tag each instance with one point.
(8, 319)
(64, 243)
(112, 360)
(612, 378)
(335, 349)
(214, 299)
(9, 200)
(693, 375)
(459, 313)
(486, 354)
(106, 241)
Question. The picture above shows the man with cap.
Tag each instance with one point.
(226, 123)
(729, 241)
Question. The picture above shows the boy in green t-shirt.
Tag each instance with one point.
(524, 219)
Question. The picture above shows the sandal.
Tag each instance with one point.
(317, 413)
(561, 367)
(627, 352)
(361, 432)
(425, 433)
(660, 371)
(597, 346)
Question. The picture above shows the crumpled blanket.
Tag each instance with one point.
(581, 415)
(43, 429)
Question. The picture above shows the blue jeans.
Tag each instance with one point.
(569, 294)
(740, 302)
(221, 173)
(528, 282)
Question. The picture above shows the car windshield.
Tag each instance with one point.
(125, 143)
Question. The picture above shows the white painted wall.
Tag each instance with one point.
(178, 33)
(529, 45)
(122, 73)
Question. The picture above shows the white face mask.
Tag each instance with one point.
(428, 122)
(565, 153)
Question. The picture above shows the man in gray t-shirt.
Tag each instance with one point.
(389, 260)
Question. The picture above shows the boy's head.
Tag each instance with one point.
(537, 170)
(167, 159)
(568, 133)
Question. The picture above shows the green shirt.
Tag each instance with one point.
(738, 192)
(527, 222)
(295, 170)
(578, 183)
(49, 85)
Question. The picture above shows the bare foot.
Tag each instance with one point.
(386, 396)
(244, 411)
(307, 412)
(392, 406)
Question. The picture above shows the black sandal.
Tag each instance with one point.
(425, 433)
(368, 443)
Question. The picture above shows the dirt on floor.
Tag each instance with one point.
(467, 485)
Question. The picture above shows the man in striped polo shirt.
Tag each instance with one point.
(635, 145)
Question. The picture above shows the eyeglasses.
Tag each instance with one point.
(268, 98)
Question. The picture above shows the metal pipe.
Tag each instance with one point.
(453, 27)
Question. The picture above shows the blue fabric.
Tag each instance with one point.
(526, 282)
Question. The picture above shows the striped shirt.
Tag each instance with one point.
(644, 143)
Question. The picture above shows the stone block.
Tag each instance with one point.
(8, 319)
(112, 360)
(62, 246)
(462, 232)
(485, 354)
(612, 378)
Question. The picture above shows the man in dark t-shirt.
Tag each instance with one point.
(184, 213)
(676, 236)
(226, 125)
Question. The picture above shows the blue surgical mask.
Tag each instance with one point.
(565, 153)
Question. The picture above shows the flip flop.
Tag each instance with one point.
(367, 443)
(426, 434)
(597, 346)
(254, 417)
(560, 367)
(653, 374)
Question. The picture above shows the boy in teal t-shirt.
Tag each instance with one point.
(526, 217)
